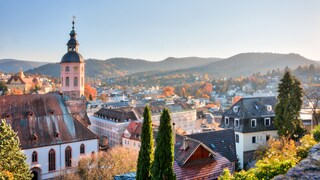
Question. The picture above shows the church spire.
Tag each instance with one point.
(73, 43)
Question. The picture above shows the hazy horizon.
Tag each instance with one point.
(38, 31)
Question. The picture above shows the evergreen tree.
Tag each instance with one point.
(164, 155)
(287, 116)
(12, 160)
(146, 150)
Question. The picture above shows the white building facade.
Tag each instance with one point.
(39, 159)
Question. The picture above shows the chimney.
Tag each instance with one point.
(173, 133)
(185, 143)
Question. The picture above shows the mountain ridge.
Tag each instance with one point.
(243, 64)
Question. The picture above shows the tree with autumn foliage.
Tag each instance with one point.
(105, 165)
(207, 88)
(278, 157)
(16, 91)
(88, 90)
(168, 91)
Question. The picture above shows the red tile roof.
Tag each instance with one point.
(191, 165)
(208, 168)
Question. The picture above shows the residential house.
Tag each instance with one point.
(221, 141)
(132, 136)
(195, 160)
(252, 120)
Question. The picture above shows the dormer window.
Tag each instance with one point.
(56, 134)
(236, 122)
(31, 114)
(253, 123)
(34, 137)
(51, 112)
(7, 115)
(268, 107)
(226, 120)
(235, 109)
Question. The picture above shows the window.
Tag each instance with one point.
(268, 107)
(267, 121)
(52, 160)
(254, 139)
(75, 81)
(236, 122)
(226, 120)
(235, 109)
(62, 81)
(253, 123)
(34, 157)
(67, 69)
(82, 149)
(267, 137)
(237, 138)
(82, 69)
(68, 156)
(67, 81)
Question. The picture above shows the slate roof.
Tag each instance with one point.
(222, 142)
(42, 120)
(71, 57)
(119, 115)
(252, 107)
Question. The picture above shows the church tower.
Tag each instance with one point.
(72, 69)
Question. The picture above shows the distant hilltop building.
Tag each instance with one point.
(21, 82)
(72, 69)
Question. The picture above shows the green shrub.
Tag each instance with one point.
(316, 133)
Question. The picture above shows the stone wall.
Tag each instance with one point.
(308, 168)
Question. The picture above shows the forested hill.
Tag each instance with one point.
(13, 65)
(244, 64)
(121, 66)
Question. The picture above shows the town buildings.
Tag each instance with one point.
(252, 120)
(110, 124)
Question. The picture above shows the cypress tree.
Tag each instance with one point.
(146, 157)
(164, 155)
(287, 111)
(13, 161)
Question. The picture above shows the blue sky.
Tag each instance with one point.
(153, 30)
